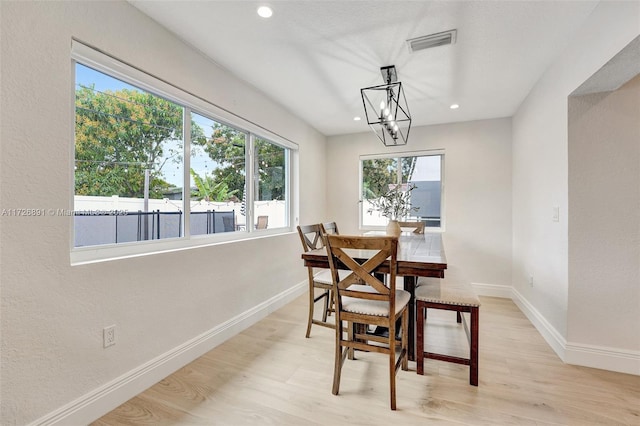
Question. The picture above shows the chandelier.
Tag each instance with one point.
(386, 109)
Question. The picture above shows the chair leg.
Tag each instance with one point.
(404, 349)
(326, 305)
(339, 357)
(351, 329)
(392, 367)
(475, 327)
(392, 379)
(330, 309)
(420, 337)
(311, 305)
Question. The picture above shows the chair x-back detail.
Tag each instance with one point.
(330, 228)
(311, 238)
(361, 300)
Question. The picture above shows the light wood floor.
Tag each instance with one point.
(271, 375)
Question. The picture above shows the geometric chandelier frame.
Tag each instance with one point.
(386, 109)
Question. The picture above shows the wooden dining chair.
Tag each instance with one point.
(311, 238)
(330, 228)
(417, 225)
(362, 300)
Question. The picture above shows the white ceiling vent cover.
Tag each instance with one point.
(433, 40)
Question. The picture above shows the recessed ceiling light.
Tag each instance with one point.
(454, 106)
(265, 11)
(356, 118)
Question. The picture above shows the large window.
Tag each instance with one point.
(422, 172)
(154, 163)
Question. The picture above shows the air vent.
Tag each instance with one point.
(433, 40)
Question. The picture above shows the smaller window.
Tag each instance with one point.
(423, 172)
(270, 205)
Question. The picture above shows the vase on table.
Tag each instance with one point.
(393, 228)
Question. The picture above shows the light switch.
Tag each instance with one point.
(556, 214)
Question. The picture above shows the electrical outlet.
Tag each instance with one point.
(531, 280)
(109, 336)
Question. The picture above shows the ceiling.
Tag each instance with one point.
(313, 57)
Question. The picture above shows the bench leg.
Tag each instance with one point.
(473, 364)
(472, 361)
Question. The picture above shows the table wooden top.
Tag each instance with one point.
(418, 255)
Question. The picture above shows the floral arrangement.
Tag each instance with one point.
(395, 204)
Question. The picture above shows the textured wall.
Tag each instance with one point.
(604, 228)
(53, 313)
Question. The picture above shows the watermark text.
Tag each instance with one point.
(35, 212)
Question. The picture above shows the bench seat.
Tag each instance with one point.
(452, 296)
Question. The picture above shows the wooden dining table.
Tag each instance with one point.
(419, 255)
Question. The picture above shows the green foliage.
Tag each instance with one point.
(227, 148)
(377, 174)
(209, 189)
(121, 133)
(270, 162)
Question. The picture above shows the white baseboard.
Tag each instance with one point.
(612, 359)
(492, 290)
(553, 338)
(109, 396)
(548, 332)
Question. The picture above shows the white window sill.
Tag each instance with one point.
(111, 252)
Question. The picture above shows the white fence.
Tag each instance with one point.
(274, 209)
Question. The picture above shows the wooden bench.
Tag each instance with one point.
(437, 294)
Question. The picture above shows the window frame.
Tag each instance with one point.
(398, 155)
(110, 66)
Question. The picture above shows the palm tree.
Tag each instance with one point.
(210, 190)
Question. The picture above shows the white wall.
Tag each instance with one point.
(604, 227)
(540, 169)
(53, 363)
(477, 204)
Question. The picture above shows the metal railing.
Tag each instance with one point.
(105, 228)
